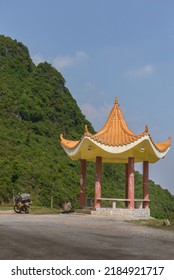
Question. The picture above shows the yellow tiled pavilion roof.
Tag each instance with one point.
(115, 131)
(115, 142)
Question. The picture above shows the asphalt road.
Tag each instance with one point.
(72, 237)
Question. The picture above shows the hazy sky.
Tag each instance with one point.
(104, 49)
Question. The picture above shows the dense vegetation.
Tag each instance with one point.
(35, 107)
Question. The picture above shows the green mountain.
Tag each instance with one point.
(35, 108)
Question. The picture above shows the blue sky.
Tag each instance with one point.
(104, 49)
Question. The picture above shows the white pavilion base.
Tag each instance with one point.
(123, 213)
(120, 213)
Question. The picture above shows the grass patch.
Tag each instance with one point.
(156, 223)
(6, 208)
(44, 210)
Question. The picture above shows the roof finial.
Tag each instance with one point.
(61, 136)
(116, 100)
(146, 128)
(86, 128)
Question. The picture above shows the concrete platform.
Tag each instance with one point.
(121, 213)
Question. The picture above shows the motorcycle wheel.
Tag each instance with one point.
(26, 210)
(16, 209)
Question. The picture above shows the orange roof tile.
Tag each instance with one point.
(163, 145)
(115, 131)
(70, 144)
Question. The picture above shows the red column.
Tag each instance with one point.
(145, 183)
(83, 183)
(126, 184)
(131, 182)
(97, 204)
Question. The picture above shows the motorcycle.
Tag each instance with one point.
(22, 203)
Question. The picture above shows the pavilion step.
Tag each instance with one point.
(85, 211)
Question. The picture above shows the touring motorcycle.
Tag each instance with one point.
(22, 203)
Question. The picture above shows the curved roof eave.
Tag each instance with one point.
(88, 146)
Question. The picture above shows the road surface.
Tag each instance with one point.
(80, 237)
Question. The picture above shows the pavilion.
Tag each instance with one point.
(116, 143)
